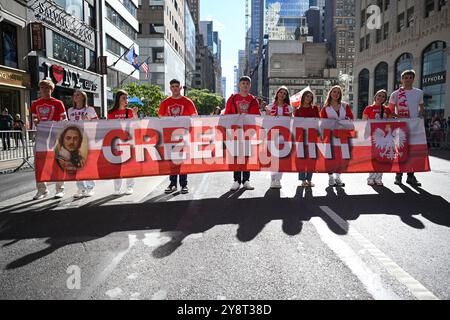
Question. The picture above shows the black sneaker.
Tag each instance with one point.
(184, 190)
(398, 180)
(171, 188)
(413, 181)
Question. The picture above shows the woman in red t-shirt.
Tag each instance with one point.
(307, 110)
(117, 112)
(334, 108)
(377, 110)
(281, 107)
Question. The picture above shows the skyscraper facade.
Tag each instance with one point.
(284, 19)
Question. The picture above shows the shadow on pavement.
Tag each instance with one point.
(185, 217)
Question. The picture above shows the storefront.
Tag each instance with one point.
(67, 79)
(69, 55)
(14, 91)
(434, 79)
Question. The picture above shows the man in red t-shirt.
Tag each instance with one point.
(177, 105)
(48, 108)
(242, 103)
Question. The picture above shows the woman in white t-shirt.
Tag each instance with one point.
(82, 112)
(281, 107)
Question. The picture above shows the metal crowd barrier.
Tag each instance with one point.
(17, 145)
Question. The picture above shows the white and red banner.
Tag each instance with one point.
(109, 149)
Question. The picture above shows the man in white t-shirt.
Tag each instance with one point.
(407, 102)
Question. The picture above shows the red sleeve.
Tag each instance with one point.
(348, 112)
(33, 108)
(254, 107)
(316, 112)
(366, 111)
(162, 109)
(323, 113)
(110, 116)
(230, 108)
(387, 110)
(192, 108)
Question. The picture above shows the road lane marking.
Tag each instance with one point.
(132, 239)
(371, 281)
(416, 288)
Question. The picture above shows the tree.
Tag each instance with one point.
(205, 101)
(151, 95)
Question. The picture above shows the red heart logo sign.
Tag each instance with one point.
(58, 73)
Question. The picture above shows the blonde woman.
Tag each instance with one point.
(281, 107)
(334, 108)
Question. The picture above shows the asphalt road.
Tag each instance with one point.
(356, 242)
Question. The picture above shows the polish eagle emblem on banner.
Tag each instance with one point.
(390, 141)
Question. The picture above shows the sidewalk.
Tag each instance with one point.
(10, 166)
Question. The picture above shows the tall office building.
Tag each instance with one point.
(285, 20)
(194, 6)
(119, 28)
(413, 34)
(162, 39)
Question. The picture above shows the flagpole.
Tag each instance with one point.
(121, 82)
(126, 52)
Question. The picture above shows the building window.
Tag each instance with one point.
(8, 45)
(378, 35)
(120, 22)
(429, 8)
(381, 76)
(115, 47)
(68, 51)
(368, 41)
(404, 62)
(363, 91)
(441, 4)
(434, 74)
(156, 28)
(401, 22)
(73, 7)
(385, 30)
(410, 17)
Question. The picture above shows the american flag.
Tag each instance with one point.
(145, 68)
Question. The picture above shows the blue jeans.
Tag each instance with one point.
(305, 176)
(86, 185)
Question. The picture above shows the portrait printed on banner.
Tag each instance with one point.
(71, 149)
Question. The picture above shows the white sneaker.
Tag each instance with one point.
(370, 182)
(59, 195)
(40, 195)
(248, 186)
(88, 193)
(339, 182)
(236, 185)
(331, 181)
(275, 184)
(118, 192)
(79, 194)
(129, 191)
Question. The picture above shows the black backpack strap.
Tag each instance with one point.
(126, 113)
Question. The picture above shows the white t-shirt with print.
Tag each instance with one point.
(87, 113)
(414, 97)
